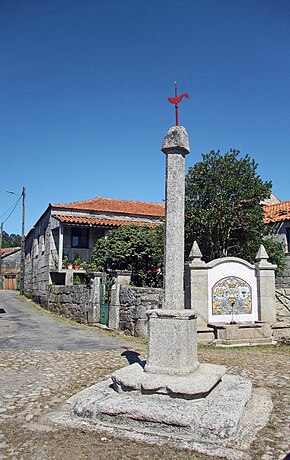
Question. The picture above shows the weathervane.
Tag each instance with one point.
(175, 100)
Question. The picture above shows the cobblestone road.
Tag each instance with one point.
(36, 378)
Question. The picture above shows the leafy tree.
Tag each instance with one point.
(223, 210)
(276, 252)
(10, 241)
(132, 247)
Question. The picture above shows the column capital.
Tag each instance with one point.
(176, 141)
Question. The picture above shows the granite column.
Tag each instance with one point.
(175, 146)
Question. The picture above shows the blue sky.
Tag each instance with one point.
(84, 87)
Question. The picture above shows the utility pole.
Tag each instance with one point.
(22, 260)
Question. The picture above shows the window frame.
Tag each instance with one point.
(82, 234)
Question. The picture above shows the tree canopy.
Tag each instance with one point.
(136, 248)
(10, 241)
(223, 206)
(223, 214)
(276, 253)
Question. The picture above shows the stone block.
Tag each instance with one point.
(172, 345)
(127, 326)
(281, 330)
(91, 315)
(127, 296)
(205, 335)
(114, 318)
(230, 334)
(141, 328)
(176, 139)
(139, 312)
(195, 385)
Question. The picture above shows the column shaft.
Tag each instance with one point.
(174, 232)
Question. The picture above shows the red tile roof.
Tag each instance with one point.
(277, 212)
(102, 222)
(116, 206)
(5, 251)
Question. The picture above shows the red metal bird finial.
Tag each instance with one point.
(175, 100)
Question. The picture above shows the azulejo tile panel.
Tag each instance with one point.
(231, 296)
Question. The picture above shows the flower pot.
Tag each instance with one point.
(76, 267)
(69, 266)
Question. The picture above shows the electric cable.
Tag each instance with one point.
(11, 211)
(6, 211)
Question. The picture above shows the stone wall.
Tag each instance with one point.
(37, 257)
(283, 282)
(134, 302)
(10, 267)
(283, 305)
(11, 262)
(80, 303)
(70, 301)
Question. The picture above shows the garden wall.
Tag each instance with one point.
(134, 302)
(70, 301)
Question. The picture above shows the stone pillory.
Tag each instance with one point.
(174, 398)
(172, 347)
(175, 146)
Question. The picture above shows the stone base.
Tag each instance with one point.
(197, 384)
(222, 424)
(242, 333)
(172, 342)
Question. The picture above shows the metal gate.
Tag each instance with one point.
(105, 298)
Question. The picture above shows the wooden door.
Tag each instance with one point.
(10, 282)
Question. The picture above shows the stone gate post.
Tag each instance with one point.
(120, 277)
(265, 272)
(196, 285)
(93, 308)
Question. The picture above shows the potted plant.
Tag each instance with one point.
(64, 261)
(92, 267)
(69, 266)
(77, 262)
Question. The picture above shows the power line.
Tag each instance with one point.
(6, 211)
(11, 211)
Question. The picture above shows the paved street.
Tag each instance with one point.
(24, 327)
(44, 361)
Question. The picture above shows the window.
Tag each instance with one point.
(35, 246)
(43, 243)
(80, 237)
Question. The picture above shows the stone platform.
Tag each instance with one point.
(211, 419)
(221, 423)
